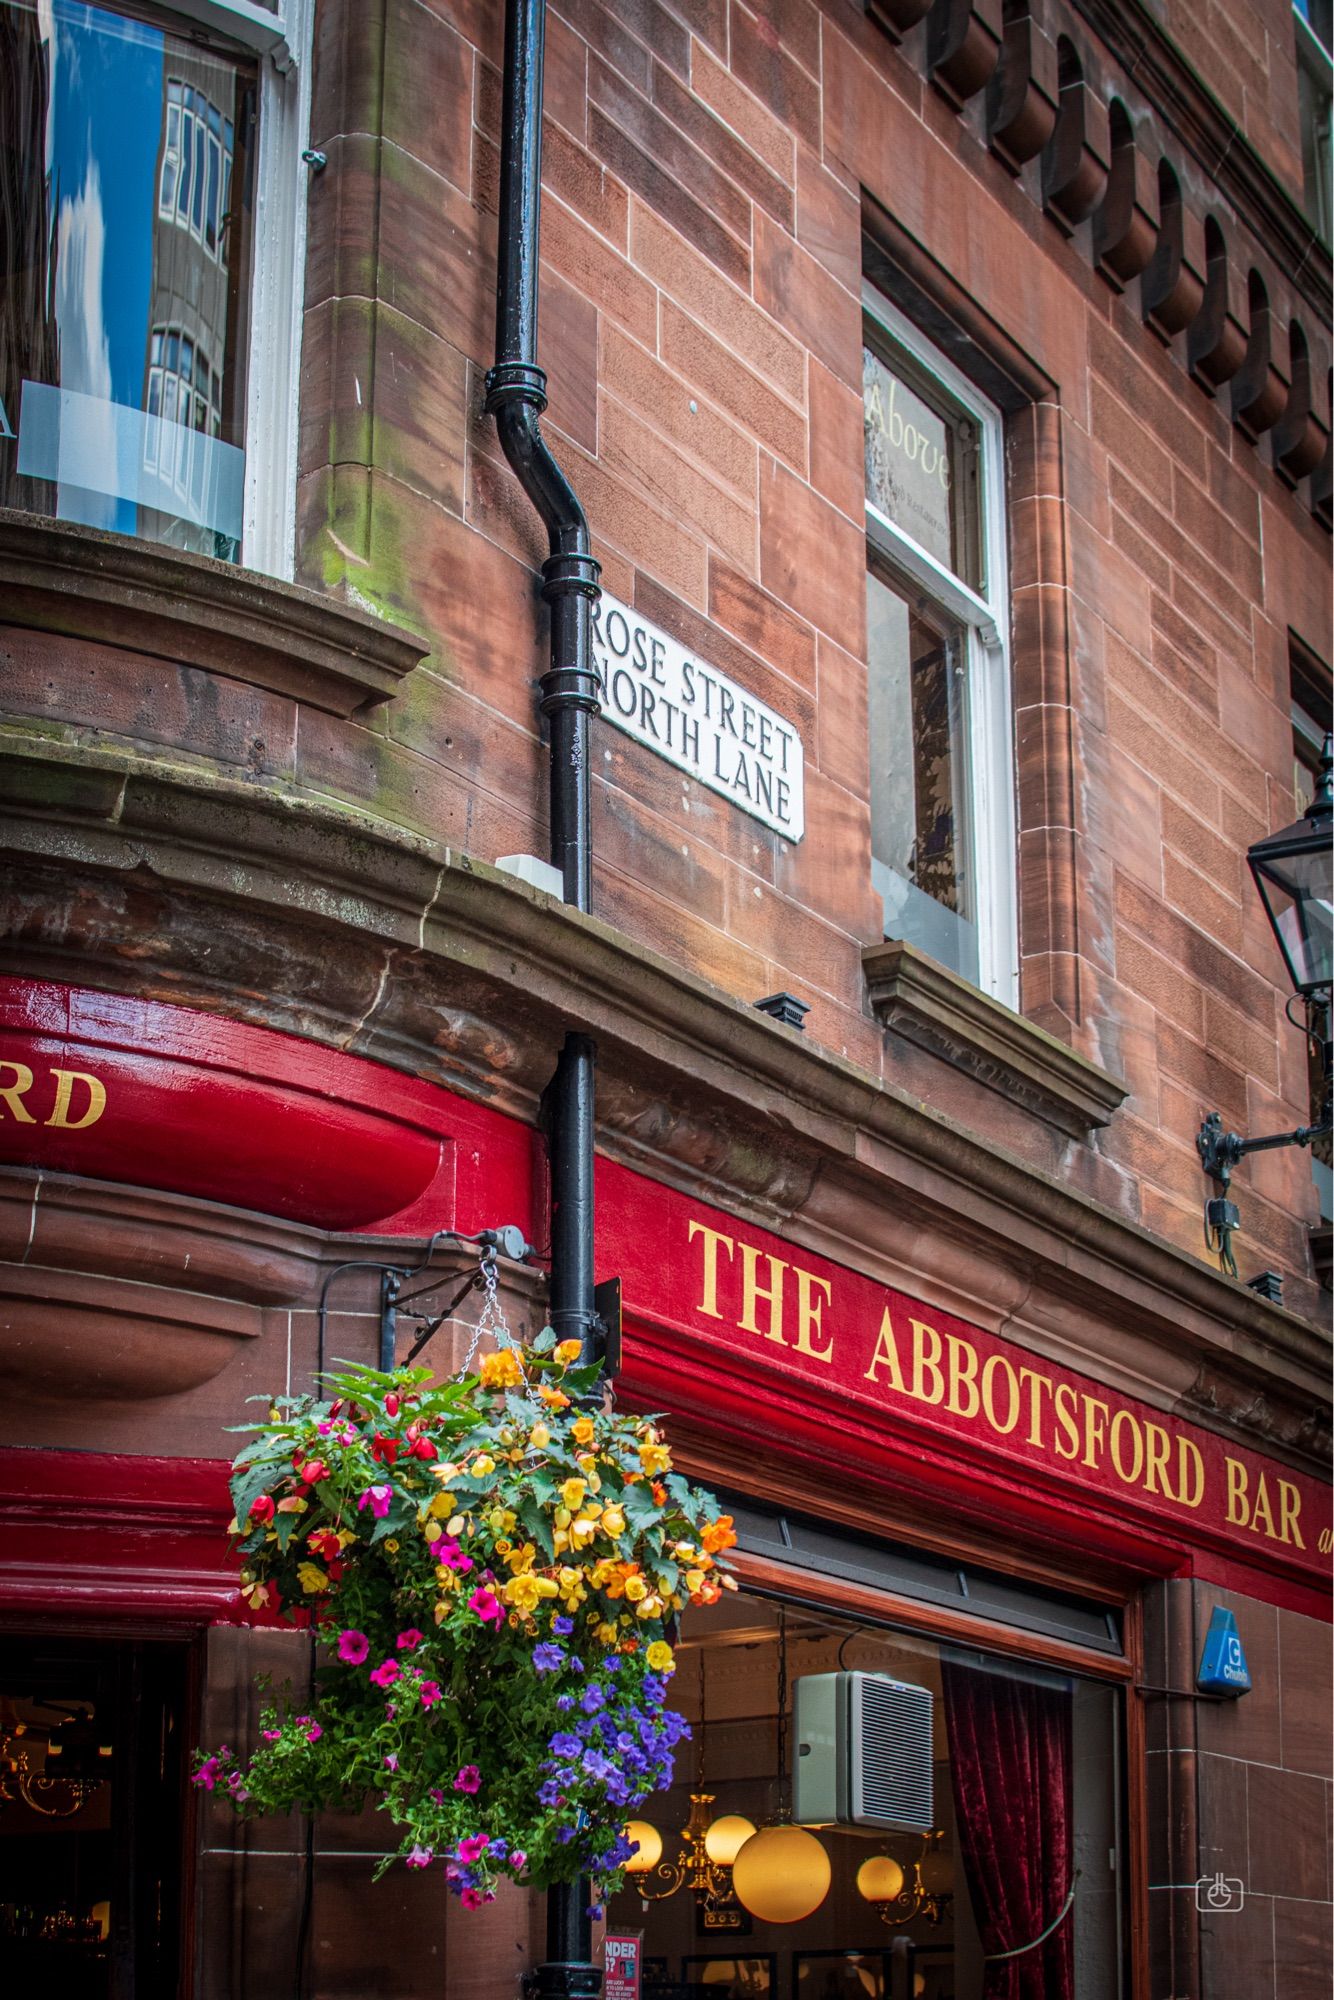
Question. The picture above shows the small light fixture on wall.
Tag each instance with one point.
(901, 1896)
(1292, 871)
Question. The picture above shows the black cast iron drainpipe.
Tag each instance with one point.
(516, 397)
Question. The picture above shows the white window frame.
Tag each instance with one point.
(985, 618)
(277, 287)
(282, 40)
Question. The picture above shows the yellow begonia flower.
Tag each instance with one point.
(606, 1633)
(391, 1545)
(582, 1530)
(482, 1465)
(501, 1519)
(442, 1505)
(539, 1437)
(441, 1613)
(546, 1586)
(555, 1399)
(583, 1430)
(694, 1579)
(655, 1458)
(560, 1541)
(294, 1505)
(650, 1608)
(233, 1526)
(522, 1592)
(613, 1521)
(572, 1493)
(311, 1577)
(447, 1579)
(455, 1525)
(636, 1589)
(566, 1352)
(660, 1657)
(502, 1370)
(522, 1559)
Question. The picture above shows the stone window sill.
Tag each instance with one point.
(935, 1009)
(87, 584)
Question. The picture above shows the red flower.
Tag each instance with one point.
(384, 1448)
(391, 1403)
(424, 1448)
(313, 1471)
(262, 1509)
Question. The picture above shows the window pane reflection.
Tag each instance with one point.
(920, 837)
(124, 244)
(922, 464)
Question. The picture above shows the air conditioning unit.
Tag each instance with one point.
(862, 1752)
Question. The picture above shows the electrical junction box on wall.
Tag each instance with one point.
(863, 1754)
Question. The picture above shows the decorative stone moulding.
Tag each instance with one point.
(1230, 281)
(915, 997)
(123, 1294)
(89, 584)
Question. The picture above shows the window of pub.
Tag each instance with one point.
(92, 1784)
(129, 158)
(866, 1812)
(942, 842)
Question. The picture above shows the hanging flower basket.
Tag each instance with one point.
(491, 1565)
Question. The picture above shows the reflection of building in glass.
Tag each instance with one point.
(189, 385)
(29, 334)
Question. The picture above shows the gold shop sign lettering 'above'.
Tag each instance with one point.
(698, 719)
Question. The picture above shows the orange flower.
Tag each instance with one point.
(719, 1535)
(501, 1370)
(555, 1399)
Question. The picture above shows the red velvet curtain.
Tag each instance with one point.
(1010, 1762)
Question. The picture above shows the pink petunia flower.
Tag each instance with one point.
(449, 1555)
(271, 1735)
(353, 1647)
(487, 1606)
(406, 1641)
(473, 1847)
(469, 1779)
(518, 1859)
(420, 1857)
(207, 1774)
(386, 1673)
(377, 1498)
(471, 1899)
(430, 1693)
(391, 1762)
(314, 1733)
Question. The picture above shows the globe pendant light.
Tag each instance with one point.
(782, 1873)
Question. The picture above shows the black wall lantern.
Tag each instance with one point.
(1292, 871)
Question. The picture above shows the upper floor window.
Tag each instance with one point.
(1315, 100)
(942, 843)
(148, 202)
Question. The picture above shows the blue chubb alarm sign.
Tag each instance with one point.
(1223, 1668)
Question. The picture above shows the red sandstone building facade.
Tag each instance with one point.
(948, 390)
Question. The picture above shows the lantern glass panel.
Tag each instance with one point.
(1296, 890)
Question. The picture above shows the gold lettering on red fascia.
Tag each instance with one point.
(77, 1101)
(775, 1300)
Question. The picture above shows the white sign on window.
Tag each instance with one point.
(698, 719)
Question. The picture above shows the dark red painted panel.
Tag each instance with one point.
(159, 1096)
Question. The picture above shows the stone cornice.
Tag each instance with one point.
(450, 968)
(85, 584)
(1160, 71)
